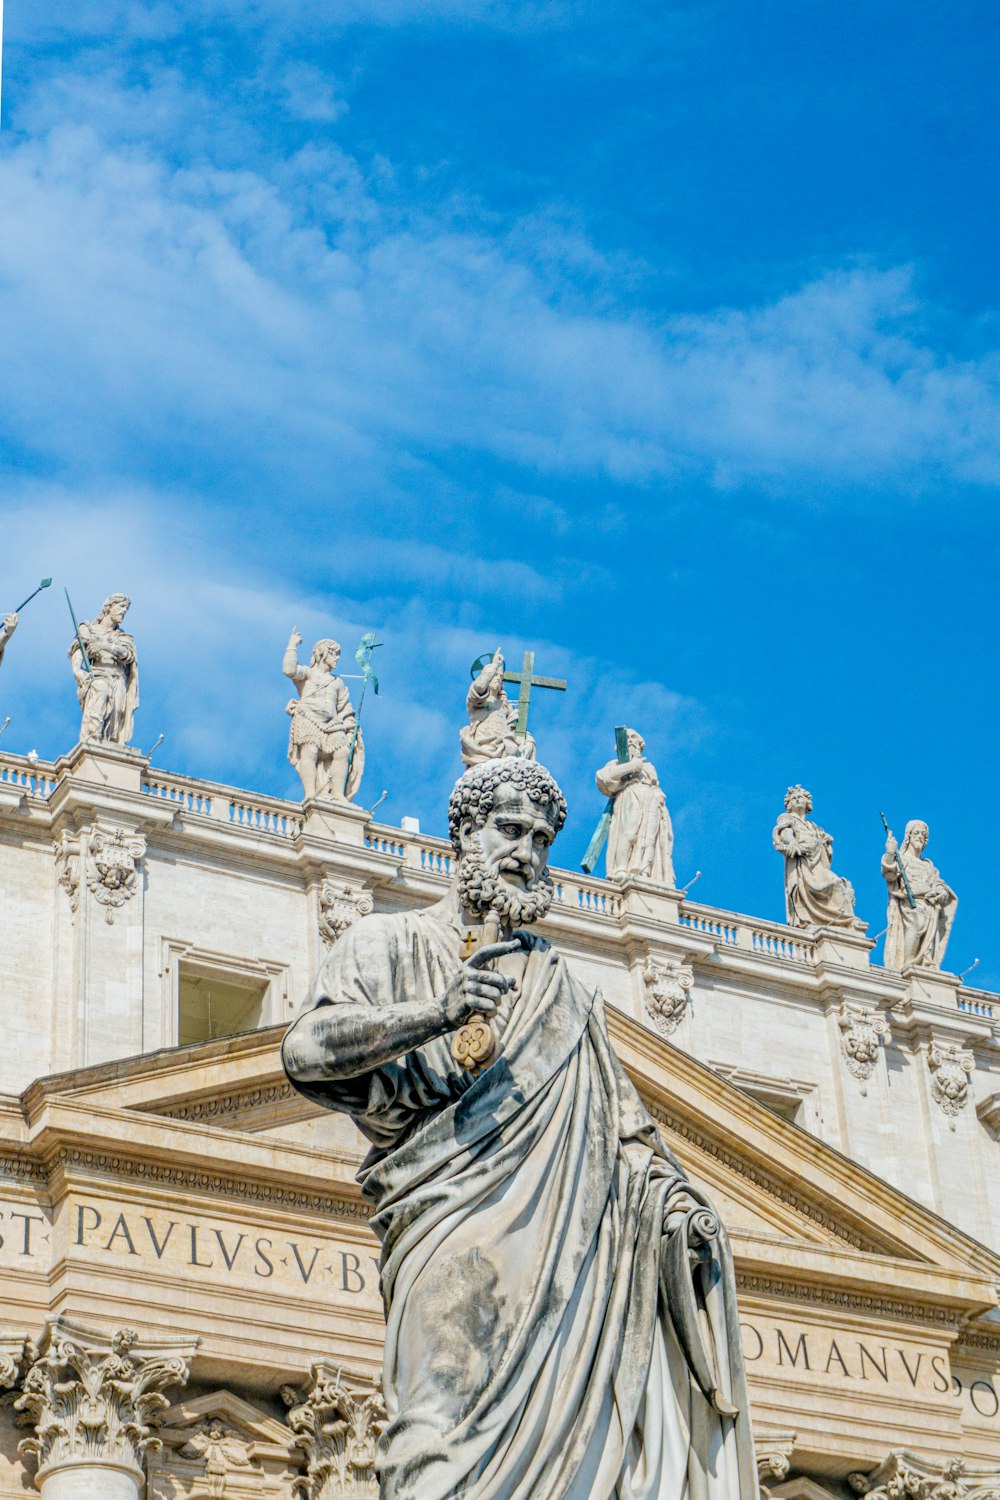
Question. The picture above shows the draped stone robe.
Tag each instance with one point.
(545, 1339)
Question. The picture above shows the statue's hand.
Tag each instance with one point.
(891, 846)
(10, 623)
(295, 639)
(476, 991)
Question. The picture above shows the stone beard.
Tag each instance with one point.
(561, 1318)
(481, 890)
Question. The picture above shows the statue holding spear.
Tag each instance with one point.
(325, 744)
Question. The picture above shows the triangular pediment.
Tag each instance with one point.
(232, 1413)
(778, 1189)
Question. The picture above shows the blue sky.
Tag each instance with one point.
(660, 338)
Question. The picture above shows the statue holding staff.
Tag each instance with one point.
(641, 837)
(814, 895)
(921, 907)
(560, 1300)
(492, 728)
(104, 665)
(322, 745)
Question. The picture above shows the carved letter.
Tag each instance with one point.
(835, 1354)
(121, 1227)
(883, 1368)
(298, 1261)
(260, 1248)
(800, 1348)
(913, 1374)
(85, 1208)
(152, 1235)
(205, 1264)
(348, 1271)
(28, 1219)
(229, 1259)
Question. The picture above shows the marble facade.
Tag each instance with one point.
(179, 1210)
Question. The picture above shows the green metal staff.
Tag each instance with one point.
(45, 583)
(899, 863)
(363, 657)
(593, 854)
(79, 637)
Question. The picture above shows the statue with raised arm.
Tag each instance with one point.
(560, 1299)
(104, 665)
(814, 895)
(322, 744)
(641, 837)
(490, 732)
(921, 907)
(6, 631)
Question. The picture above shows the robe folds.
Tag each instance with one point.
(546, 1339)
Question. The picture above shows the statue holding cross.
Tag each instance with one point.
(496, 726)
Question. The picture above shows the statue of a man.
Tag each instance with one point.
(917, 934)
(6, 631)
(319, 743)
(814, 895)
(641, 837)
(109, 691)
(490, 732)
(560, 1300)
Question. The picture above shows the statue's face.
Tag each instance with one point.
(502, 864)
(118, 611)
(798, 802)
(516, 838)
(918, 839)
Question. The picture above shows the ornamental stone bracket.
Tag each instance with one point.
(15, 1350)
(340, 906)
(989, 1112)
(67, 853)
(337, 1419)
(94, 1400)
(113, 861)
(904, 1476)
(951, 1067)
(862, 1031)
(667, 985)
(774, 1455)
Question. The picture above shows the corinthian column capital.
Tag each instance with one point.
(94, 1400)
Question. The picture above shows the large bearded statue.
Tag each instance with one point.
(560, 1301)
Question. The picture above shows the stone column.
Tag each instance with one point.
(337, 1420)
(94, 1401)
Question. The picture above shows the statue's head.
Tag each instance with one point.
(636, 743)
(503, 818)
(916, 835)
(325, 653)
(798, 800)
(115, 608)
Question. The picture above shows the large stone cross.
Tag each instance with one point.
(526, 681)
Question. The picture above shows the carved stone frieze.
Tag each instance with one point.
(67, 853)
(337, 1420)
(902, 1476)
(96, 1397)
(220, 1452)
(950, 1067)
(340, 906)
(862, 1031)
(113, 861)
(667, 983)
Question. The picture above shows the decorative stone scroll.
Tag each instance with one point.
(340, 906)
(113, 860)
(950, 1067)
(668, 984)
(94, 1401)
(774, 1454)
(861, 1032)
(903, 1476)
(67, 853)
(15, 1349)
(337, 1420)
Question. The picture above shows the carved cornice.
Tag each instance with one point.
(244, 1190)
(796, 1291)
(767, 1182)
(97, 1397)
(219, 1106)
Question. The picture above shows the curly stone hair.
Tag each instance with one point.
(475, 791)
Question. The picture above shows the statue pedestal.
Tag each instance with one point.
(844, 947)
(340, 821)
(933, 987)
(117, 766)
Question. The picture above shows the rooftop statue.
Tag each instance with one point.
(6, 631)
(560, 1300)
(324, 745)
(641, 837)
(103, 660)
(814, 895)
(492, 728)
(921, 906)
